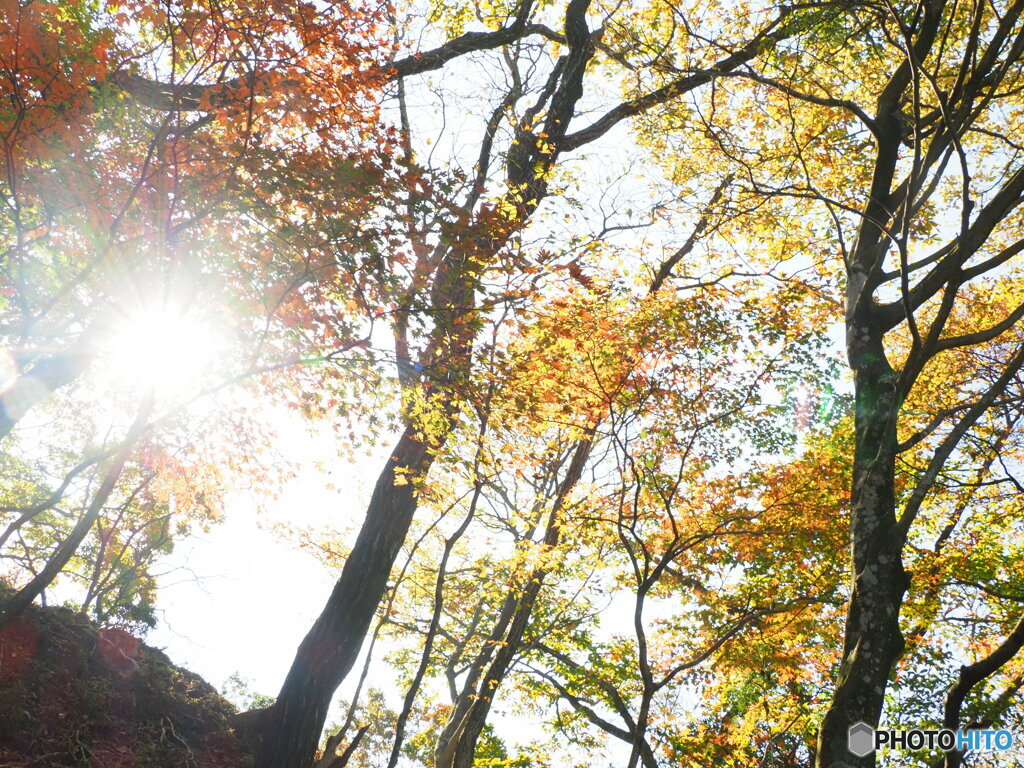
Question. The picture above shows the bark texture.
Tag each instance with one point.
(330, 648)
(873, 640)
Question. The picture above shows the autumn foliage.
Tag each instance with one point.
(688, 335)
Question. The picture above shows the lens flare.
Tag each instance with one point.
(167, 348)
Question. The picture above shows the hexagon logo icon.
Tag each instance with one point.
(861, 739)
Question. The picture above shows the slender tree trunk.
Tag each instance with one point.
(329, 650)
(67, 549)
(873, 640)
(640, 752)
(456, 746)
(46, 376)
(970, 676)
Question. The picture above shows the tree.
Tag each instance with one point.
(467, 247)
(117, 212)
(925, 216)
(280, 150)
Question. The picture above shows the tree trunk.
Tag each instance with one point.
(456, 747)
(329, 650)
(46, 376)
(873, 640)
(67, 548)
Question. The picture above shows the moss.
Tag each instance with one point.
(72, 694)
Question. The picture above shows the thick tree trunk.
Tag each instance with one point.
(330, 648)
(873, 640)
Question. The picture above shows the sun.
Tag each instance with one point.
(169, 348)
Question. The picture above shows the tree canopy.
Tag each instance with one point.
(693, 333)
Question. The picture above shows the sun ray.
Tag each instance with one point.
(170, 348)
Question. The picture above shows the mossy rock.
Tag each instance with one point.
(73, 694)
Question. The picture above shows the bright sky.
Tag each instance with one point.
(239, 598)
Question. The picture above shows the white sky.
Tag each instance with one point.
(239, 598)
